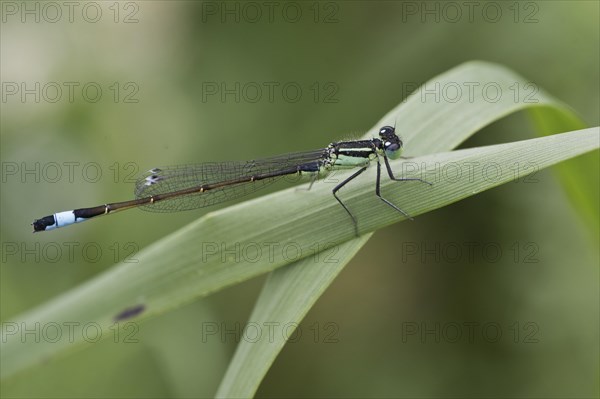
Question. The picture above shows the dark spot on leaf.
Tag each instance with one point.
(129, 313)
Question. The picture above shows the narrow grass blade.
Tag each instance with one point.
(252, 360)
(165, 278)
(279, 229)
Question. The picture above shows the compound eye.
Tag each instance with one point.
(392, 146)
(386, 131)
(393, 149)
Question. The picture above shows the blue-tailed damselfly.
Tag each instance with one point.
(196, 186)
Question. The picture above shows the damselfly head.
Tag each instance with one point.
(392, 145)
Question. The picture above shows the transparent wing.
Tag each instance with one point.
(175, 178)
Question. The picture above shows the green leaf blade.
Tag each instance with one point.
(188, 264)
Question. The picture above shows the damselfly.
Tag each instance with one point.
(187, 187)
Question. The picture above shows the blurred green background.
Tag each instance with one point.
(387, 327)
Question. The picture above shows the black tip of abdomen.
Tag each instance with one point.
(43, 223)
